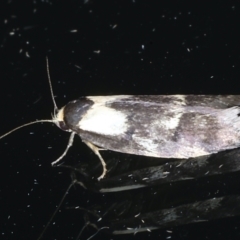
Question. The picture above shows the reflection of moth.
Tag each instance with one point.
(163, 195)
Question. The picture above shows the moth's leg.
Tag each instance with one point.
(70, 143)
(96, 150)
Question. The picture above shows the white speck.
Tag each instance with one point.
(143, 46)
(5, 21)
(27, 42)
(188, 49)
(220, 166)
(77, 67)
(27, 54)
(31, 133)
(97, 51)
(137, 215)
(12, 33)
(145, 179)
(154, 29)
(74, 30)
(190, 25)
(212, 77)
(169, 231)
(114, 26)
(20, 50)
(206, 173)
(100, 219)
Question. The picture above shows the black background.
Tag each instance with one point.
(100, 48)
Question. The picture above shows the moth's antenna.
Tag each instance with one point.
(54, 120)
(27, 124)
(51, 89)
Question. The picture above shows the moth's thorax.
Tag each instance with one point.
(71, 114)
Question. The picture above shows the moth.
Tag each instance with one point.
(161, 126)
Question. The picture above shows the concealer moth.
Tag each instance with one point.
(161, 126)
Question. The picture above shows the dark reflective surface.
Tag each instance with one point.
(104, 48)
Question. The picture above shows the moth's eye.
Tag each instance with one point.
(62, 125)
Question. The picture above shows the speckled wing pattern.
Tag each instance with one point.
(166, 126)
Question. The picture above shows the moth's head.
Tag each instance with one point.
(61, 117)
(59, 120)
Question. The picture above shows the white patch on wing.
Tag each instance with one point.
(172, 122)
(147, 144)
(180, 99)
(191, 152)
(102, 119)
